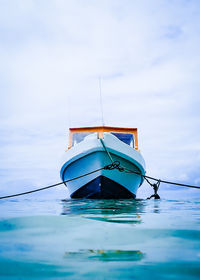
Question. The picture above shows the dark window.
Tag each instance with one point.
(125, 137)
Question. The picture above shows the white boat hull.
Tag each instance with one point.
(90, 155)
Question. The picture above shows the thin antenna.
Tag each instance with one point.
(101, 102)
(69, 110)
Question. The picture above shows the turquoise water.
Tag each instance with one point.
(99, 239)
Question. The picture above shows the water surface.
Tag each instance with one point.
(99, 239)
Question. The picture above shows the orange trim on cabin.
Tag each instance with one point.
(101, 130)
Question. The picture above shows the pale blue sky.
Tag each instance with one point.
(52, 53)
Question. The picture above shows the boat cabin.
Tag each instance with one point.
(126, 135)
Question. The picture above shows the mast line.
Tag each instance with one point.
(101, 102)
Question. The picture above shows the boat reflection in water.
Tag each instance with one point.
(127, 211)
(124, 211)
(105, 255)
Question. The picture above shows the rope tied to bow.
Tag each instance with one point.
(114, 165)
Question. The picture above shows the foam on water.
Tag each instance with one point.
(99, 239)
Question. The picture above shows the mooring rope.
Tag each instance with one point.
(112, 166)
(52, 186)
(106, 150)
(116, 165)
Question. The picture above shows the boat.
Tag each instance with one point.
(100, 153)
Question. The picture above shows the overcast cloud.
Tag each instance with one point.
(51, 55)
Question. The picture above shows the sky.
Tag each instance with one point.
(52, 53)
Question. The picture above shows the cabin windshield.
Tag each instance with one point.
(125, 137)
(80, 136)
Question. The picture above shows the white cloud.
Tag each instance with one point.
(147, 52)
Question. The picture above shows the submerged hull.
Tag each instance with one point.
(90, 155)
